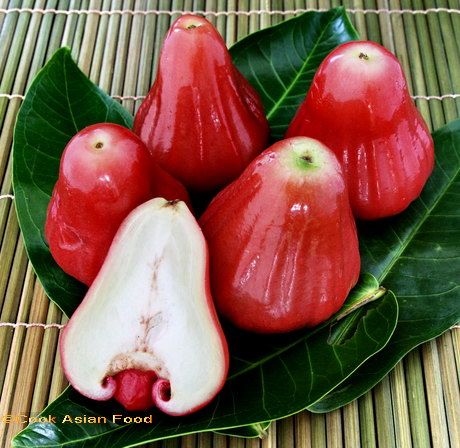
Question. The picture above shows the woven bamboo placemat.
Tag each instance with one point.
(116, 43)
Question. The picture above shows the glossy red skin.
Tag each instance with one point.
(95, 192)
(375, 130)
(274, 266)
(201, 120)
(134, 389)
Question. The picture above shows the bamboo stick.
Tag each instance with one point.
(400, 407)
(7, 251)
(58, 379)
(420, 432)
(100, 44)
(253, 443)
(358, 19)
(367, 421)
(162, 26)
(89, 38)
(302, 427)
(372, 22)
(450, 386)
(436, 22)
(204, 440)
(384, 414)
(285, 432)
(427, 70)
(14, 356)
(3, 5)
(122, 50)
(289, 5)
(44, 374)
(221, 21)
(254, 19)
(433, 385)
(188, 441)
(318, 431)
(145, 76)
(134, 53)
(106, 73)
(455, 19)
(71, 23)
(7, 35)
(218, 441)
(230, 32)
(21, 391)
(242, 28)
(334, 429)
(352, 438)
(57, 30)
(385, 26)
(11, 304)
(210, 5)
(11, 65)
(77, 35)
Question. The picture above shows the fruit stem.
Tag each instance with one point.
(363, 56)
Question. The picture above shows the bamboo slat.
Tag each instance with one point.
(416, 405)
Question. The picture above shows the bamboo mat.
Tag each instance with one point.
(417, 404)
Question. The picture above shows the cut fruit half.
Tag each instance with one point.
(150, 310)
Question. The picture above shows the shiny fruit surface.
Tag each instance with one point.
(201, 120)
(105, 172)
(359, 106)
(282, 240)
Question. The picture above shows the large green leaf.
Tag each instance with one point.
(60, 102)
(280, 61)
(271, 377)
(417, 255)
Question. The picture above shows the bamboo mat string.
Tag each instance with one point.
(227, 13)
(141, 97)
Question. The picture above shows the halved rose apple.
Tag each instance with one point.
(147, 326)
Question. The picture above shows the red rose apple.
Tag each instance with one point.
(360, 107)
(105, 172)
(201, 120)
(282, 240)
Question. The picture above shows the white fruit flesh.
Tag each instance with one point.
(149, 308)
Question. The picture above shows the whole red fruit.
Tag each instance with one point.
(201, 120)
(105, 172)
(360, 107)
(282, 240)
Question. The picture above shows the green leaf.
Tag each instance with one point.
(60, 102)
(274, 377)
(280, 61)
(417, 255)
